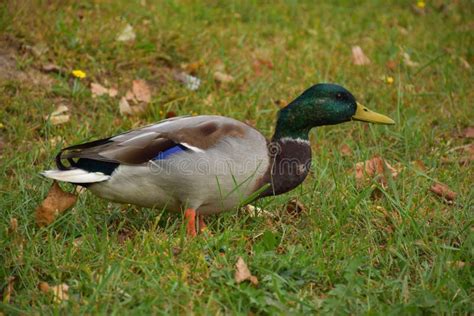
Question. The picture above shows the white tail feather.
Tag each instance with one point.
(75, 176)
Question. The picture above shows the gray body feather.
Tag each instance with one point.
(223, 163)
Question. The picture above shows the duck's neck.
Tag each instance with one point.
(290, 162)
(291, 124)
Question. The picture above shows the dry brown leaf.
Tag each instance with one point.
(129, 96)
(254, 211)
(242, 273)
(222, 77)
(466, 150)
(457, 264)
(192, 68)
(209, 100)
(407, 60)
(170, 114)
(258, 63)
(442, 190)
(295, 207)
(98, 90)
(391, 64)
(419, 164)
(56, 202)
(219, 66)
(51, 68)
(465, 63)
(141, 90)
(374, 168)
(60, 291)
(468, 132)
(126, 109)
(358, 56)
(346, 150)
(43, 287)
(59, 115)
(124, 235)
(13, 225)
(7, 294)
(78, 242)
(127, 34)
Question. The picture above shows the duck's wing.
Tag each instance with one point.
(157, 141)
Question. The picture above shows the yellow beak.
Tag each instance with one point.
(366, 115)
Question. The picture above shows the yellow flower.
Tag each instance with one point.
(2, 126)
(421, 4)
(79, 73)
(389, 79)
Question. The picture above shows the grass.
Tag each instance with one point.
(406, 252)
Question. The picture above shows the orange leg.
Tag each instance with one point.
(190, 216)
(202, 224)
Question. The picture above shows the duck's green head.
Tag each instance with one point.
(322, 104)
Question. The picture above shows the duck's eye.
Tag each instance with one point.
(339, 96)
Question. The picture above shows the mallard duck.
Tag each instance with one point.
(207, 164)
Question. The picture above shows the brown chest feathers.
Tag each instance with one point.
(290, 162)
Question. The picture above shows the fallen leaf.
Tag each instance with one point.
(98, 90)
(43, 287)
(7, 293)
(13, 225)
(60, 291)
(467, 150)
(468, 132)
(358, 56)
(281, 103)
(176, 251)
(59, 115)
(407, 61)
(254, 211)
(126, 109)
(78, 242)
(130, 96)
(346, 150)
(258, 63)
(242, 273)
(190, 82)
(219, 66)
(38, 49)
(295, 207)
(222, 77)
(56, 201)
(124, 235)
(419, 164)
(251, 123)
(127, 34)
(464, 63)
(391, 64)
(457, 264)
(374, 168)
(141, 91)
(51, 68)
(442, 190)
(192, 68)
(170, 114)
(209, 100)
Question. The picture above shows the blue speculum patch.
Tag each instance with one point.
(170, 151)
